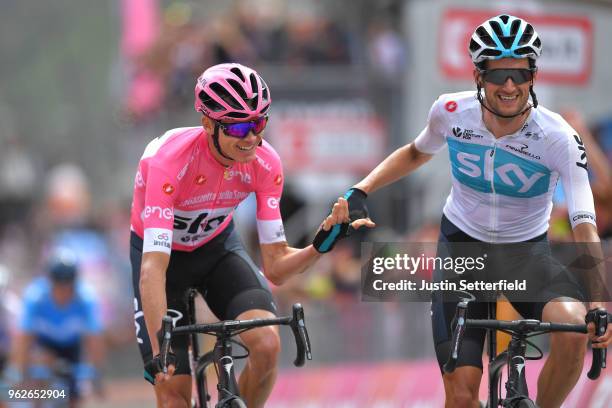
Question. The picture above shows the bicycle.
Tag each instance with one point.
(221, 355)
(517, 394)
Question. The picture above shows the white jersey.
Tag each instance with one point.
(502, 188)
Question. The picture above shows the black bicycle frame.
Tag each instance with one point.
(514, 358)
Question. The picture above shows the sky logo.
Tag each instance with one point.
(476, 167)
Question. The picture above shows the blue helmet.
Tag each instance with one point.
(504, 36)
(63, 267)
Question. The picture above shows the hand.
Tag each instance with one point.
(349, 210)
(597, 341)
(154, 369)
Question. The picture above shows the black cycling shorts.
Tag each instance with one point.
(556, 283)
(221, 270)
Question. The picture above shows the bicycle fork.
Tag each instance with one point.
(227, 385)
(516, 386)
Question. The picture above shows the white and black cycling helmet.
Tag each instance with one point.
(504, 36)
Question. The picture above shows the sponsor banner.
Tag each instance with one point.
(406, 384)
(321, 137)
(567, 44)
(523, 272)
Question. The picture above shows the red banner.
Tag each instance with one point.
(567, 44)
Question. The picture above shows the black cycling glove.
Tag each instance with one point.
(155, 366)
(325, 241)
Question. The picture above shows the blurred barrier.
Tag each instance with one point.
(414, 384)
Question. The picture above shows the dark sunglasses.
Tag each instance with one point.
(242, 129)
(500, 76)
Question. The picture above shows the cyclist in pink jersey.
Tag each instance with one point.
(189, 182)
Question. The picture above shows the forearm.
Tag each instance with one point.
(585, 234)
(401, 162)
(292, 261)
(19, 357)
(154, 305)
(94, 345)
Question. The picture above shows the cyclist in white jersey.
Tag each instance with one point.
(506, 154)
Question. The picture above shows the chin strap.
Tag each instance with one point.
(529, 106)
(216, 143)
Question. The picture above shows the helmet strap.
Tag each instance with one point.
(216, 142)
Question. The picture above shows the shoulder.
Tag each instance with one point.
(36, 291)
(267, 159)
(451, 104)
(86, 293)
(172, 144)
(553, 126)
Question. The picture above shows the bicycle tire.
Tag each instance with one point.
(200, 378)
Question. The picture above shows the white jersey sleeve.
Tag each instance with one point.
(571, 164)
(431, 139)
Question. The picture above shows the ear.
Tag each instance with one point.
(208, 124)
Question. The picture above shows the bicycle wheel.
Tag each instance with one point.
(200, 378)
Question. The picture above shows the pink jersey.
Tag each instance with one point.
(183, 197)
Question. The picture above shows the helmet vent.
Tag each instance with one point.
(497, 28)
(537, 43)
(226, 96)
(266, 94)
(209, 102)
(490, 53)
(237, 87)
(253, 80)
(515, 27)
(474, 46)
(504, 18)
(524, 51)
(485, 37)
(238, 73)
(265, 110)
(236, 115)
(507, 42)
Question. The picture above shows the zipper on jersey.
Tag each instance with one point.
(491, 172)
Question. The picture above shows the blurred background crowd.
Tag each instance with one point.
(85, 85)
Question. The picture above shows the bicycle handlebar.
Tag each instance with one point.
(519, 327)
(229, 328)
(599, 355)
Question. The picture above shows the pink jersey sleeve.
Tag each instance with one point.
(268, 192)
(158, 213)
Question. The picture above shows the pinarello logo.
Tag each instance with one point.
(200, 179)
(451, 106)
(278, 179)
(168, 188)
(163, 236)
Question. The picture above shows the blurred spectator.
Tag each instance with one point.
(386, 53)
(60, 327)
(187, 42)
(17, 182)
(67, 222)
(600, 173)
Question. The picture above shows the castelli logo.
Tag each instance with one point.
(168, 188)
(200, 179)
(451, 106)
(278, 179)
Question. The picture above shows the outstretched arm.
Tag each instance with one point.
(400, 163)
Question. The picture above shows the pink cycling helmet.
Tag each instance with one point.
(232, 93)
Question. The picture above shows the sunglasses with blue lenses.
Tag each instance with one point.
(241, 130)
(500, 76)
